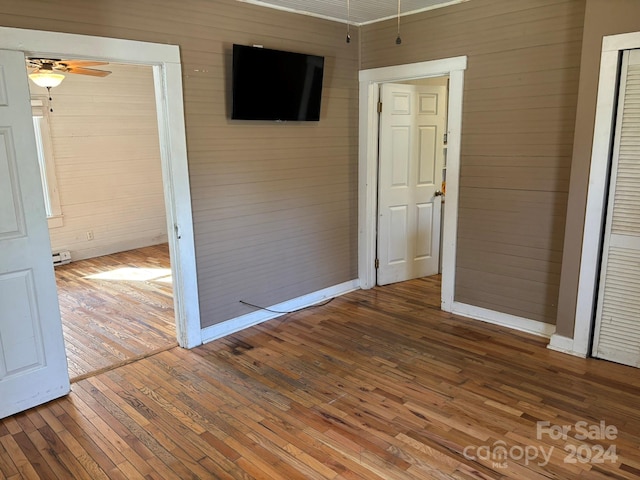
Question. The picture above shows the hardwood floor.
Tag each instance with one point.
(378, 384)
(116, 308)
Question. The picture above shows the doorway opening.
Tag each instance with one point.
(412, 146)
(47, 377)
(370, 81)
(167, 76)
(99, 152)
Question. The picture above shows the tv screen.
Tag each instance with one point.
(275, 85)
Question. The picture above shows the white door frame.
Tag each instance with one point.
(167, 70)
(603, 133)
(612, 46)
(370, 81)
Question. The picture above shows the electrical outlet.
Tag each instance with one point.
(90, 235)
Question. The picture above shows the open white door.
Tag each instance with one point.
(412, 129)
(33, 364)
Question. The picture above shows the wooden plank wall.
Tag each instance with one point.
(275, 205)
(104, 136)
(517, 137)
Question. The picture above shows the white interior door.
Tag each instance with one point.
(33, 364)
(412, 129)
(617, 329)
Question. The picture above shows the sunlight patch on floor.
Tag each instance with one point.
(133, 274)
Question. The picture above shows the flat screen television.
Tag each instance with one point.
(276, 85)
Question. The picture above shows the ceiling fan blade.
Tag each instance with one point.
(82, 63)
(88, 71)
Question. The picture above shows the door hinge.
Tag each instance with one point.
(379, 107)
(445, 138)
(377, 263)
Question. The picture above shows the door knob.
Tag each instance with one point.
(438, 194)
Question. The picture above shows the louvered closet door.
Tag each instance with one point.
(617, 330)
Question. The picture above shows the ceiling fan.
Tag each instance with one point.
(48, 72)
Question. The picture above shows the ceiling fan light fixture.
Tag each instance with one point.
(46, 79)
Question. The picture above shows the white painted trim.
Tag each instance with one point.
(42, 43)
(249, 320)
(168, 85)
(623, 41)
(450, 224)
(177, 194)
(504, 319)
(412, 71)
(282, 8)
(297, 11)
(596, 201)
(55, 221)
(367, 184)
(413, 12)
(115, 247)
(368, 161)
(562, 344)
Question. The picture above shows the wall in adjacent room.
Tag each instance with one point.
(105, 147)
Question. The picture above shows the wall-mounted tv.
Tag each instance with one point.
(276, 85)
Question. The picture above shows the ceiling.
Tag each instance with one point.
(362, 11)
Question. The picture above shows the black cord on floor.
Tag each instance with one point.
(292, 311)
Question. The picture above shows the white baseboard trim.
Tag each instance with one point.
(504, 319)
(112, 247)
(249, 320)
(563, 344)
